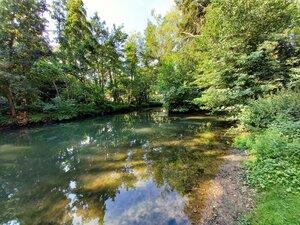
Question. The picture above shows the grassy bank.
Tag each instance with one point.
(59, 112)
(273, 142)
(274, 171)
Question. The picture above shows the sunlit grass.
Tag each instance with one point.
(277, 207)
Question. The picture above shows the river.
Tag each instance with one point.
(137, 168)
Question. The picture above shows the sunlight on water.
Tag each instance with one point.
(138, 168)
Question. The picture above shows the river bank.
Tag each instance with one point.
(40, 119)
(230, 198)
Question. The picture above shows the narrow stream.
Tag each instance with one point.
(138, 168)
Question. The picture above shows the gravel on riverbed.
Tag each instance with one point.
(230, 197)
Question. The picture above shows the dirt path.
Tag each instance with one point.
(230, 197)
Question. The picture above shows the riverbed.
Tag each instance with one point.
(137, 168)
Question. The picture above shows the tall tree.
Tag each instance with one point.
(115, 54)
(78, 39)
(193, 15)
(131, 54)
(100, 56)
(58, 14)
(22, 43)
(240, 57)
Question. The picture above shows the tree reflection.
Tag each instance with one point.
(68, 173)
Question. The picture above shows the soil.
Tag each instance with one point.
(230, 197)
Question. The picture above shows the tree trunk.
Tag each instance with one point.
(102, 77)
(56, 89)
(11, 102)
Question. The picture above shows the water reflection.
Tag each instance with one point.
(137, 168)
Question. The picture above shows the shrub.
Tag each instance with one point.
(59, 109)
(269, 172)
(87, 110)
(263, 112)
(34, 108)
(243, 142)
(5, 120)
(181, 99)
(277, 159)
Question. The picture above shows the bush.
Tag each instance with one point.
(277, 159)
(287, 127)
(4, 108)
(5, 120)
(87, 110)
(262, 113)
(34, 108)
(243, 142)
(181, 99)
(121, 108)
(59, 109)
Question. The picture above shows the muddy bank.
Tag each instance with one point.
(229, 197)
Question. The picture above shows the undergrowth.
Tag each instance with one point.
(273, 139)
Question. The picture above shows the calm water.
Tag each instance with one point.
(138, 168)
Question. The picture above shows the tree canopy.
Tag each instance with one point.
(208, 54)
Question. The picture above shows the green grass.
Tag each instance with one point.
(38, 118)
(276, 207)
(275, 173)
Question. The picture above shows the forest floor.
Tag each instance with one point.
(230, 197)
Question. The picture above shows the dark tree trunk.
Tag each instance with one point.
(11, 102)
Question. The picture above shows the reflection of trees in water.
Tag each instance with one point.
(77, 167)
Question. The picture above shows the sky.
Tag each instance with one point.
(133, 14)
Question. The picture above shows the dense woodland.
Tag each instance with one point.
(205, 54)
(239, 58)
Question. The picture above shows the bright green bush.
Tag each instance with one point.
(263, 112)
(277, 159)
(269, 172)
(287, 127)
(243, 142)
(270, 144)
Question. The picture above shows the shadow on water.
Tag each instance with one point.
(138, 168)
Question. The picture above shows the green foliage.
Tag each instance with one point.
(59, 109)
(181, 99)
(194, 13)
(22, 43)
(5, 120)
(276, 143)
(176, 80)
(84, 110)
(244, 221)
(89, 66)
(276, 159)
(245, 51)
(219, 55)
(276, 207)
(243, 141)
(263, 112)
(39, 118)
